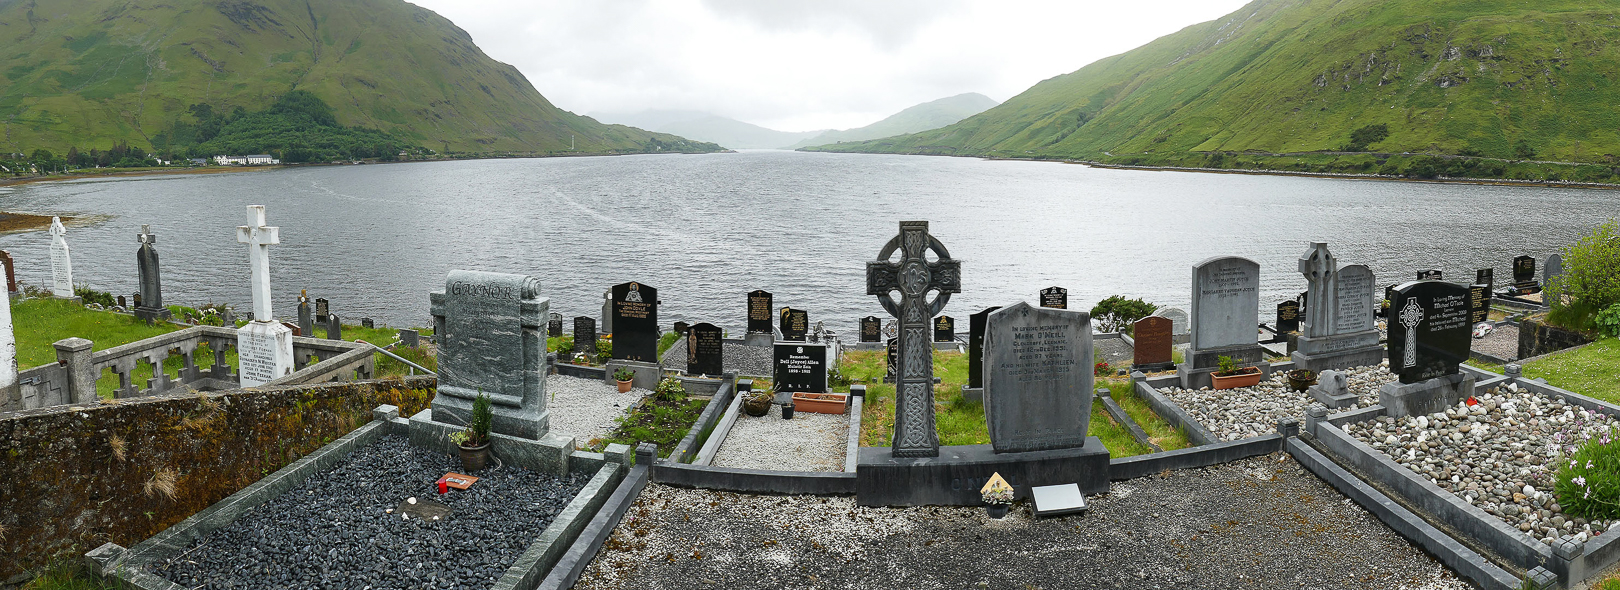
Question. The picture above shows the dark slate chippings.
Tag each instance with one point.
(332, 532)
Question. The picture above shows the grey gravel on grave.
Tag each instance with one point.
(586, 409)
(1242, 412)
(807, 442)
(735, 357)
(1502, 342)
(1498, 454)
(335, 530)
(1262, 522)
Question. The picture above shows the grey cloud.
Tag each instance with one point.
(889, 23)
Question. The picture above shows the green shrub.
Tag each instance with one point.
(1608, 321)
(1117, 314)
(1588, 481)
(561, 344)
(1590, 283)
(84, 292)
(666, 341)
(482, 415)
(604, 350)
(1365, 136)
(671, 390)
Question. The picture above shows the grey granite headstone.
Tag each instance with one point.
(489, 327)
(1225, 315)
(1553, 268)
(334, 327)
(146, 259)
(1338, 331)
(306, 326)
(607, 313)
(1179, 331)
(410, 338)
(1037, 378)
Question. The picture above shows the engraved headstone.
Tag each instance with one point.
(795, 324)
(323, 308)
(367, 323)
(1432, 274)
(228, 317)
(1429, 333)
(61, 261)
(264, 346)
(122, 302)
(944, 329)
(1486, 276)
(489, 326)
(1153, 344)
(1055, 297)
(306, 325)
(1552, 268)
(759, 312)
(410, 338)
(871, 329)
(585, 334)
(1225, 312)
(607, 312)
(705, 352)
(913, 277)
(1287, 317)
(680, 327)
(976, 347)
(1479, 303)
(635, 322)
(800, 366)
(891, 359)
(1524, 275)
(11, 272)
(334, 327)
(1038, 378)
(146, 262)
(1338, 331)
(554, 325)
(1180, 324)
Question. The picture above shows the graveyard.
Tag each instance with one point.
(1357, 439)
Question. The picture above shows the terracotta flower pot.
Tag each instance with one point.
(624, 386)
(474, 458)
(1246, 377)
(821, 403)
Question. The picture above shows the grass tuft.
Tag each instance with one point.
(162, 482)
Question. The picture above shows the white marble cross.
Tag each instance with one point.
(61, 262)
(259, 238)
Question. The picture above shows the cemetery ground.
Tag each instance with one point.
(1593, 369)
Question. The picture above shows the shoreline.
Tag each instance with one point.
(152, 172)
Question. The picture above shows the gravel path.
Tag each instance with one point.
(335, 531)
(1502, 342)
(1495, 455)
(808, 442)
(1242, 412)
(754, 361)
(1256, 523)
(586, 408)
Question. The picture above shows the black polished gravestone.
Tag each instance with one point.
(1524, 274)
(759, 312)
(1486, 276)
(705, 349)
(322, 309)
(871, 329)
(681, 327)
(800, 366)
(1055, 297)
(1479, 303)
(1432, 274)
(795, 324)
(1429, 333)
(635, 322)
(976, 347)
(367, 323)
(554, 325)
(585, 334)
(944, 329)
(891, 359)
(1287, 317)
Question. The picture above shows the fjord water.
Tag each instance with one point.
(706, 229)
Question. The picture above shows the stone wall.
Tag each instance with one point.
(1537, 338)
(76, 476)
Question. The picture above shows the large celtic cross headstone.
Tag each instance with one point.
(913, 276)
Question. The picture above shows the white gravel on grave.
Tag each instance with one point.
(808, 442)
(1242, 412)
(586, 408)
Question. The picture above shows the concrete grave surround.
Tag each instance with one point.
(146, 262)
(1225, 318)
(1037, 378)
(913, 276)
(1338, 330)
(61, 261)
(491, 341)
(264, 346)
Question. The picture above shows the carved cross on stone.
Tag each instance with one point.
(914, 277)
(1411, 316)
(259, 237)
(1320, 270)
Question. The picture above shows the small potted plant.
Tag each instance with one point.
(625, 378)
(473, 442)
(787, 411)
(758, 404)
(1301, 379)
(997, 501)
(1231, 375)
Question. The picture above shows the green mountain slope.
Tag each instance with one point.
(1492, 78)
(929, 115)
(80, 72)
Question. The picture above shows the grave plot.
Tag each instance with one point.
(740, 358)
(354, 526)
(808, 442)
(588, 409)
(1242, 412)
(1499, 454)
(1502, 342)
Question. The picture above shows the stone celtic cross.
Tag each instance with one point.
(1411, 316)
(914, 276)
(1319, 268)
(259, 238)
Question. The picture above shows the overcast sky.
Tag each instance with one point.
(803, 65)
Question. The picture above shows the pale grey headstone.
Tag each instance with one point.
(1037, 378)
(1225, 303)
(1354, 290)
(1552, 268)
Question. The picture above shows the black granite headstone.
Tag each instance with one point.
(944, 329)
(635, 322)
(585, 334)
(367, 323)
(871, 329)
(334, 327)
(1055, 297)
(795, 324)
(1479, 303)
(122, 302)
(759, 312)
(1432, 274)
(1429, 333)
(554, 325)
(891, 360)
(801, 366)
(1524, 270)
(681, 327)
(1287, 317)
(976, 347)
(322, 309)
(705, 350)
(1486, 276)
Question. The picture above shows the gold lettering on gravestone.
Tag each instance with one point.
(633, 307)
(1039, 354)
(759, 309)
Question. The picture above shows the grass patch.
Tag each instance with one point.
(1593, 370)
(661, 422)
(39, 323)
(1158, 430)
(65, 575)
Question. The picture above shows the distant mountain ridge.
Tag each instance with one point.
(704, 126)
(93, 72)
(929, 115)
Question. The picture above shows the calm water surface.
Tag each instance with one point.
(707, 229)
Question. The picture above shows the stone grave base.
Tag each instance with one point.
(955, 476)
(151, 314)
(1427, 397)
(867, 346)
(1332, 401)
(453, 406)
(1339, 351)
(759, 339)
(1152, 367)
(647, 374)
(1198, 378)
(1211, 358)
(547, 453)
(973, 394)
